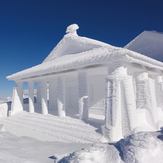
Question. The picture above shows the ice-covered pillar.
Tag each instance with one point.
(111, 106)
(159, 91)
(114, 105)
(120, 104)
(38, 97)
(109, 103)
(146, 97)
(130, 102)
(61, 97)
(17, 99)
(44, 101)
(31, 97)
(83, 95)
(53, 96)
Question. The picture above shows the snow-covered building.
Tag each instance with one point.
(82, 77)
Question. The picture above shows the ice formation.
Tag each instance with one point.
(71, 29)
(120, 89)
(99, 153)
(143, 147)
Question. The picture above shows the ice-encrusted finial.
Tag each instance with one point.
(71, 29)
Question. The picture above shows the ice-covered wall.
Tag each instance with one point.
(134, 104)
(96, 94)
(71, 95)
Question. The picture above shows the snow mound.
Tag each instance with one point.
(142, 147)
(15, 149)
(99, 153)
(51, 128)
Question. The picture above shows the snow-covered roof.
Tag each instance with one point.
(75, 52)
(71, 43)
(149, 43)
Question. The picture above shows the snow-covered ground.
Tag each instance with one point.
(15, 149)
(51, 128)
(35, 138)
(143, 147)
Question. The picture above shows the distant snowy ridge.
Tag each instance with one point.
(148, 43)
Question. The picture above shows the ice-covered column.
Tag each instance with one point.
(83, 95)
(113, 116)
(31, 97)
(17, 98)
(109, 103)
(159, 91)
(38, 97)
(120, 104)
(130, 102)
(52, 96)
(44, 101)
(146, 97)
(61, 96)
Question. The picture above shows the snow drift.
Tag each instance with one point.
(99, 153)
(141, 147)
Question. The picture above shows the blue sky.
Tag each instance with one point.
(29, 29)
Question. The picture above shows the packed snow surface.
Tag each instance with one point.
(15, 149)
(99, 153)
(143, 147)
(41, 139)
(51, 128)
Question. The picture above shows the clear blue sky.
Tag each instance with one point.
(29, 29)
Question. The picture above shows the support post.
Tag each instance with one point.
(44, 102)
(116, 104)
(52, 97)
(83, 96)
(38, 98)
(145, 96)
(17, 99)
(61, 97)
(159, 91)
(31, 97)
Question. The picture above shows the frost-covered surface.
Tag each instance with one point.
(99, 153)
(148, 43)
(143, 147)
(15, 149)
(51, 128)
(3, 110)
(75, 52)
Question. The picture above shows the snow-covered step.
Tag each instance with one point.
(41, 134)
(51, 128)
(58, 120)
(61, 128)
(58, 129)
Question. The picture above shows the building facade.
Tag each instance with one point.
(84, 78)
